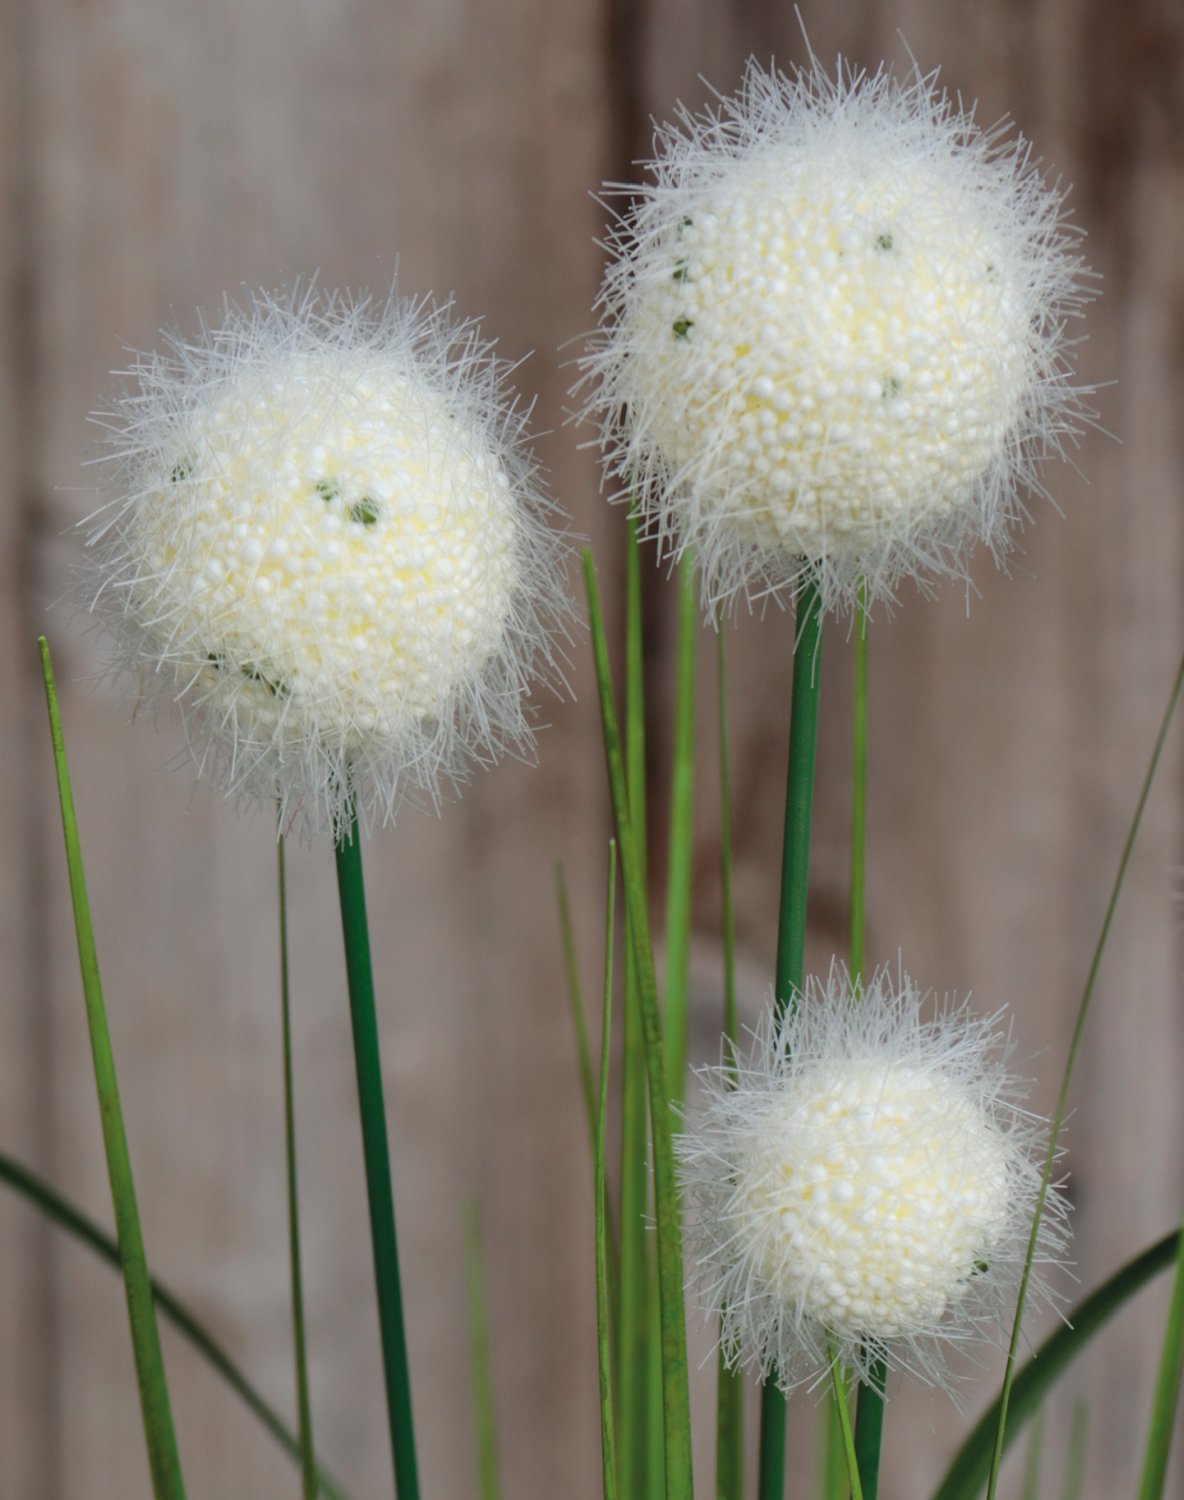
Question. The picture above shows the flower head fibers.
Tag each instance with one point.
(834, 336)
(328, 544)
(863, 1185)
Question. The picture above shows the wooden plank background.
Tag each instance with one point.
(153, 155)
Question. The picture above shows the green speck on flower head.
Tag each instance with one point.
(981, 1267)
(364, 511)
(181, 471)
(274, 683)
(891, 387)
(884, 241)
(327, 489)
(681, 271)
(682, 327)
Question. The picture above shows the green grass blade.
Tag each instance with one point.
(63, 1213)
(1035, 1451)
(575, 996)
(729, 1384)
(1167, 1390)
(308, 1463)
(1075, 1457)
(488, 1486)
(680, 863)
(791, 928)
(603, 1322)
(376, 1154)
(633, 1318)
(1062, 1104)
(163, 1460)
(675, 1382)
(972, 1464)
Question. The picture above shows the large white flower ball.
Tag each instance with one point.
(834, 336)
(329, 544)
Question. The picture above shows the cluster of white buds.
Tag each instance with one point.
(329, 544)
(834, 336)
(862, 1184)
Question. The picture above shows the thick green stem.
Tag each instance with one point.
(160, 1438)
(791, 931)
(376, 1152)
(869, 1408)
(682, 835)
(308, 1463)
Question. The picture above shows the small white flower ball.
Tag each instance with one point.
(834, 336)
(329, 545)
(863, 1183)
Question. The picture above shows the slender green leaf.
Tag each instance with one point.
(1035, 1451)
(729, 1384)
(376, 1154)
(481, 1361)
(1167, 1390)
(308, 1463)
(972, 1464)
(1062, 1104)
(163, 1461)
(675, 1383)
(604, 1360)
(1075, 1457)
(680, 864)
(575, 995)
(63, 1213)
(633, 1317)
(791, 928)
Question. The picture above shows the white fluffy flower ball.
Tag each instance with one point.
(329, 545)
(834, 338)
(864, 1183)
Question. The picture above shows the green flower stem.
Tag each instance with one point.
(632, 1316)
(682, 834)
(163, 1461)
(791, 931)
(63, 1213)
(839, 1400)
(869, 1408)
(675, 1382)
(308, 1463)
(729, 1401)
(1058, 1118)
(352, 890)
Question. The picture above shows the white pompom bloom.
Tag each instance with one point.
(866, 1187)
(329, 545)
(834, 336)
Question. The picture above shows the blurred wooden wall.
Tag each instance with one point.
(154, 155)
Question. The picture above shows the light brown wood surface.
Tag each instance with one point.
(155, 155)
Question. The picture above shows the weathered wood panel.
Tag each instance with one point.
(154, 156)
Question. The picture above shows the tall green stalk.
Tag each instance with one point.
(682, 834)
(869, 1408)
(160, 1439)
(376, 1152)
(1058, 1117)
(308, 1463)
(791, 930)
(633, 1321)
